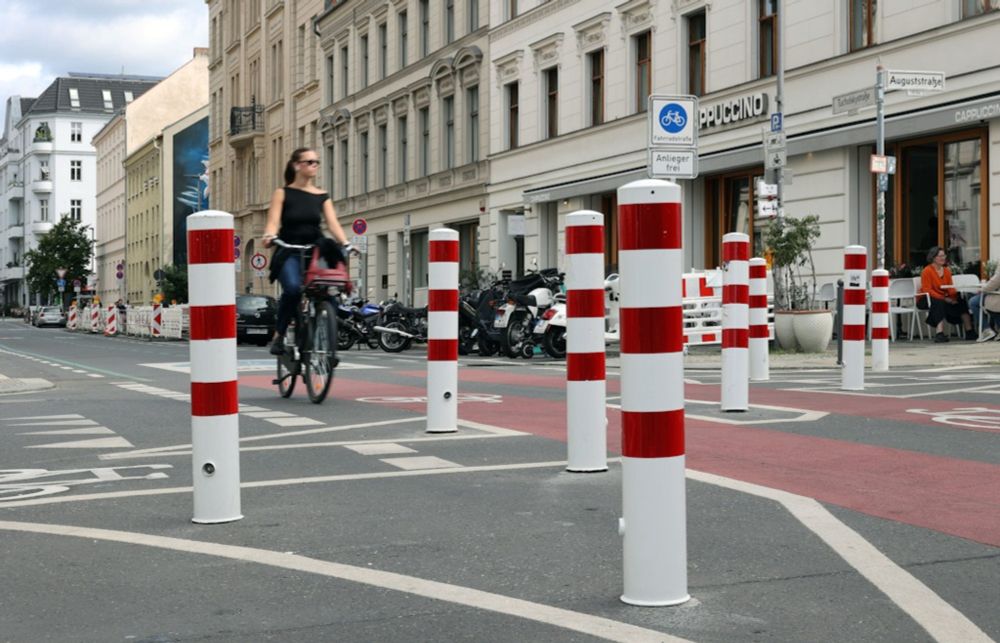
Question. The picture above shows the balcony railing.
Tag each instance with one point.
(246, 120)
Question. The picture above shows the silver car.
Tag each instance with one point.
(51, 316)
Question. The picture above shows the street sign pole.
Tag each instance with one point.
(779, 96)
(880, 125)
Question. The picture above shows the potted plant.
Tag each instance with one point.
(798, 322)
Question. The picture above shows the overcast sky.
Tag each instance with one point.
(42, 39)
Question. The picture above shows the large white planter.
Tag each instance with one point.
(784, 330)
(813, 329)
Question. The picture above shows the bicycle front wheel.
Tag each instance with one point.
(321, 357)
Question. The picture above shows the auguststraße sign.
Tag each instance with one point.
(914, 81)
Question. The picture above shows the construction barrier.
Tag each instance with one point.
(111, 321)
(72, 319)
(95, 318)
(156, 321)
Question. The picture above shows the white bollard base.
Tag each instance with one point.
(853, 373)
(442, 397)
(216, 460)
(586, 429)
(760, 368)
(735, 380)
(655, 542)
(880, 355)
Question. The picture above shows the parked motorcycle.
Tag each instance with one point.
(476, 313)
(398, 326)
(550, 329)
(526, 298)
(356, 324)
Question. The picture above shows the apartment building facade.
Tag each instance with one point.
(570, 80)
(264, 102)
(404, 131)
(52, 175)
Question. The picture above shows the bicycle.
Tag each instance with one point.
(312, 353)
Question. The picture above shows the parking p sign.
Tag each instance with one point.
(673, 121)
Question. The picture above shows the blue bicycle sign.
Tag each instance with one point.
(673, 118)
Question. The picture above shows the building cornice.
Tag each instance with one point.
(543, 10)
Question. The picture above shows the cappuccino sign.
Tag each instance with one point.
(734, 110)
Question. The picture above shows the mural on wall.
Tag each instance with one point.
(190, 182)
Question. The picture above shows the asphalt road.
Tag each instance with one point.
(815, 516)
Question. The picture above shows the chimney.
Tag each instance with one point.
(200, 51)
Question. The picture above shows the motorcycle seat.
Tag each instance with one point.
(403, 310)
(525, 300)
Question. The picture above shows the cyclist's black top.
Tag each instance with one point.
(301, 214)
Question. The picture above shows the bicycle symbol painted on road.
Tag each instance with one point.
(973, 417)
(673, 118)
(22, 484)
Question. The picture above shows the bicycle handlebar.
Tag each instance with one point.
(291, 246)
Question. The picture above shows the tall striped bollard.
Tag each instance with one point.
(156, 321)
(214, 388)
(760, 370)
(735, 322)
(654, 523)
(853, 325)
(880, 320)
(111, 324)
(442, 332)
(586, 389)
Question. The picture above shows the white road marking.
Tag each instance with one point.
(94, 375)
(477, 599)
(268, 414)
(930, 611)
(83, 422)
(379, 448)
(805, 415)
(116, 442)
(420, 462)
(294, 421)
(92, 430)
(71, 416)
(245, 408)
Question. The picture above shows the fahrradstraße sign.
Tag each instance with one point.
(672, 143)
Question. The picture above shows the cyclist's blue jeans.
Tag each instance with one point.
(290, 278)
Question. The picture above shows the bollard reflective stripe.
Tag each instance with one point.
(654, 524)
(880, 320)
(758, 344)
(586, 385)
(214, 386)
(735, 390)
(852, 326)
(442, 331)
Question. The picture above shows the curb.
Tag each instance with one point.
(13, 386)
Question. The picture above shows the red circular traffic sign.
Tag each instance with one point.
(258, 261)
(360, 226)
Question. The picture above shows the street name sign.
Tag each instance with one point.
(851, 102)
(914, 81)
(673, 163)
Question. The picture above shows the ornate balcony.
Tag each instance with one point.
(245, 124)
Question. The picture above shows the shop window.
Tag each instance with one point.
(418, 258)
(607, 204)
(730, 204)
(862, 23)
(977, 7)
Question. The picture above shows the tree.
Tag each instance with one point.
(67, 245)
(175, 283)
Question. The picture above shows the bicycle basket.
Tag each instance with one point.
(318, 277)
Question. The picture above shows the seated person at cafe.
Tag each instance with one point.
(945, 304)
(989, 299)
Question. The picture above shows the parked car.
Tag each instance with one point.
(50, 316)
(255, 318)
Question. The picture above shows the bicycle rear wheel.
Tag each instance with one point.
(321, 355)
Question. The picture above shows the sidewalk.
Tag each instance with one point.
(23, 385)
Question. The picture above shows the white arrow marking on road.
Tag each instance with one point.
(58, 423)
(71, 416)
(93, 430)
(116, 442)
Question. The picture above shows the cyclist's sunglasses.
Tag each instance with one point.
(310, 162)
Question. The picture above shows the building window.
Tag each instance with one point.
(976, 7)
(76, 132)
(642, 46)
(364, 162)
(425, 27)
(74, 98)
(551, 79)
(595, 62)
(473, 12)
(363, 45)
(345, 168)
(108, 103)
(300, 58)
(767, 40)
(449, 20)
(403, 149)
(330, 169)
(425, 141)
(383, 51)
(43, 171)
(76, 209)
(472, 106)
(43, 209)
(696, 53)
(129, 97)
(513, 125)
(510, 9)
(330, 67)
(404, 39)
(383, 156)
(345, 67)
(76, 170)
(448, 131)
(863, 23)
(277, 71)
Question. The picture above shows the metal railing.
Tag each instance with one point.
(246, 120)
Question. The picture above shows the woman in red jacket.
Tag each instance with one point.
(945, 303)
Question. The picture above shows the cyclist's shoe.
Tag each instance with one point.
(278, 346)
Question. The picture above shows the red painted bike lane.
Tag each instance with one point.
(950, 495)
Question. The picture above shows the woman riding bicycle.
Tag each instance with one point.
(294, 217)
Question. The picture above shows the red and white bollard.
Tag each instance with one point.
(214, 388)
(735, 322)
(71, 321)
(586, 387)
(759, 334)
(880, 320)
(442, 332)
(111, 324)
(156, 321)
(852, 327)
(654, 523)
(95, 318)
